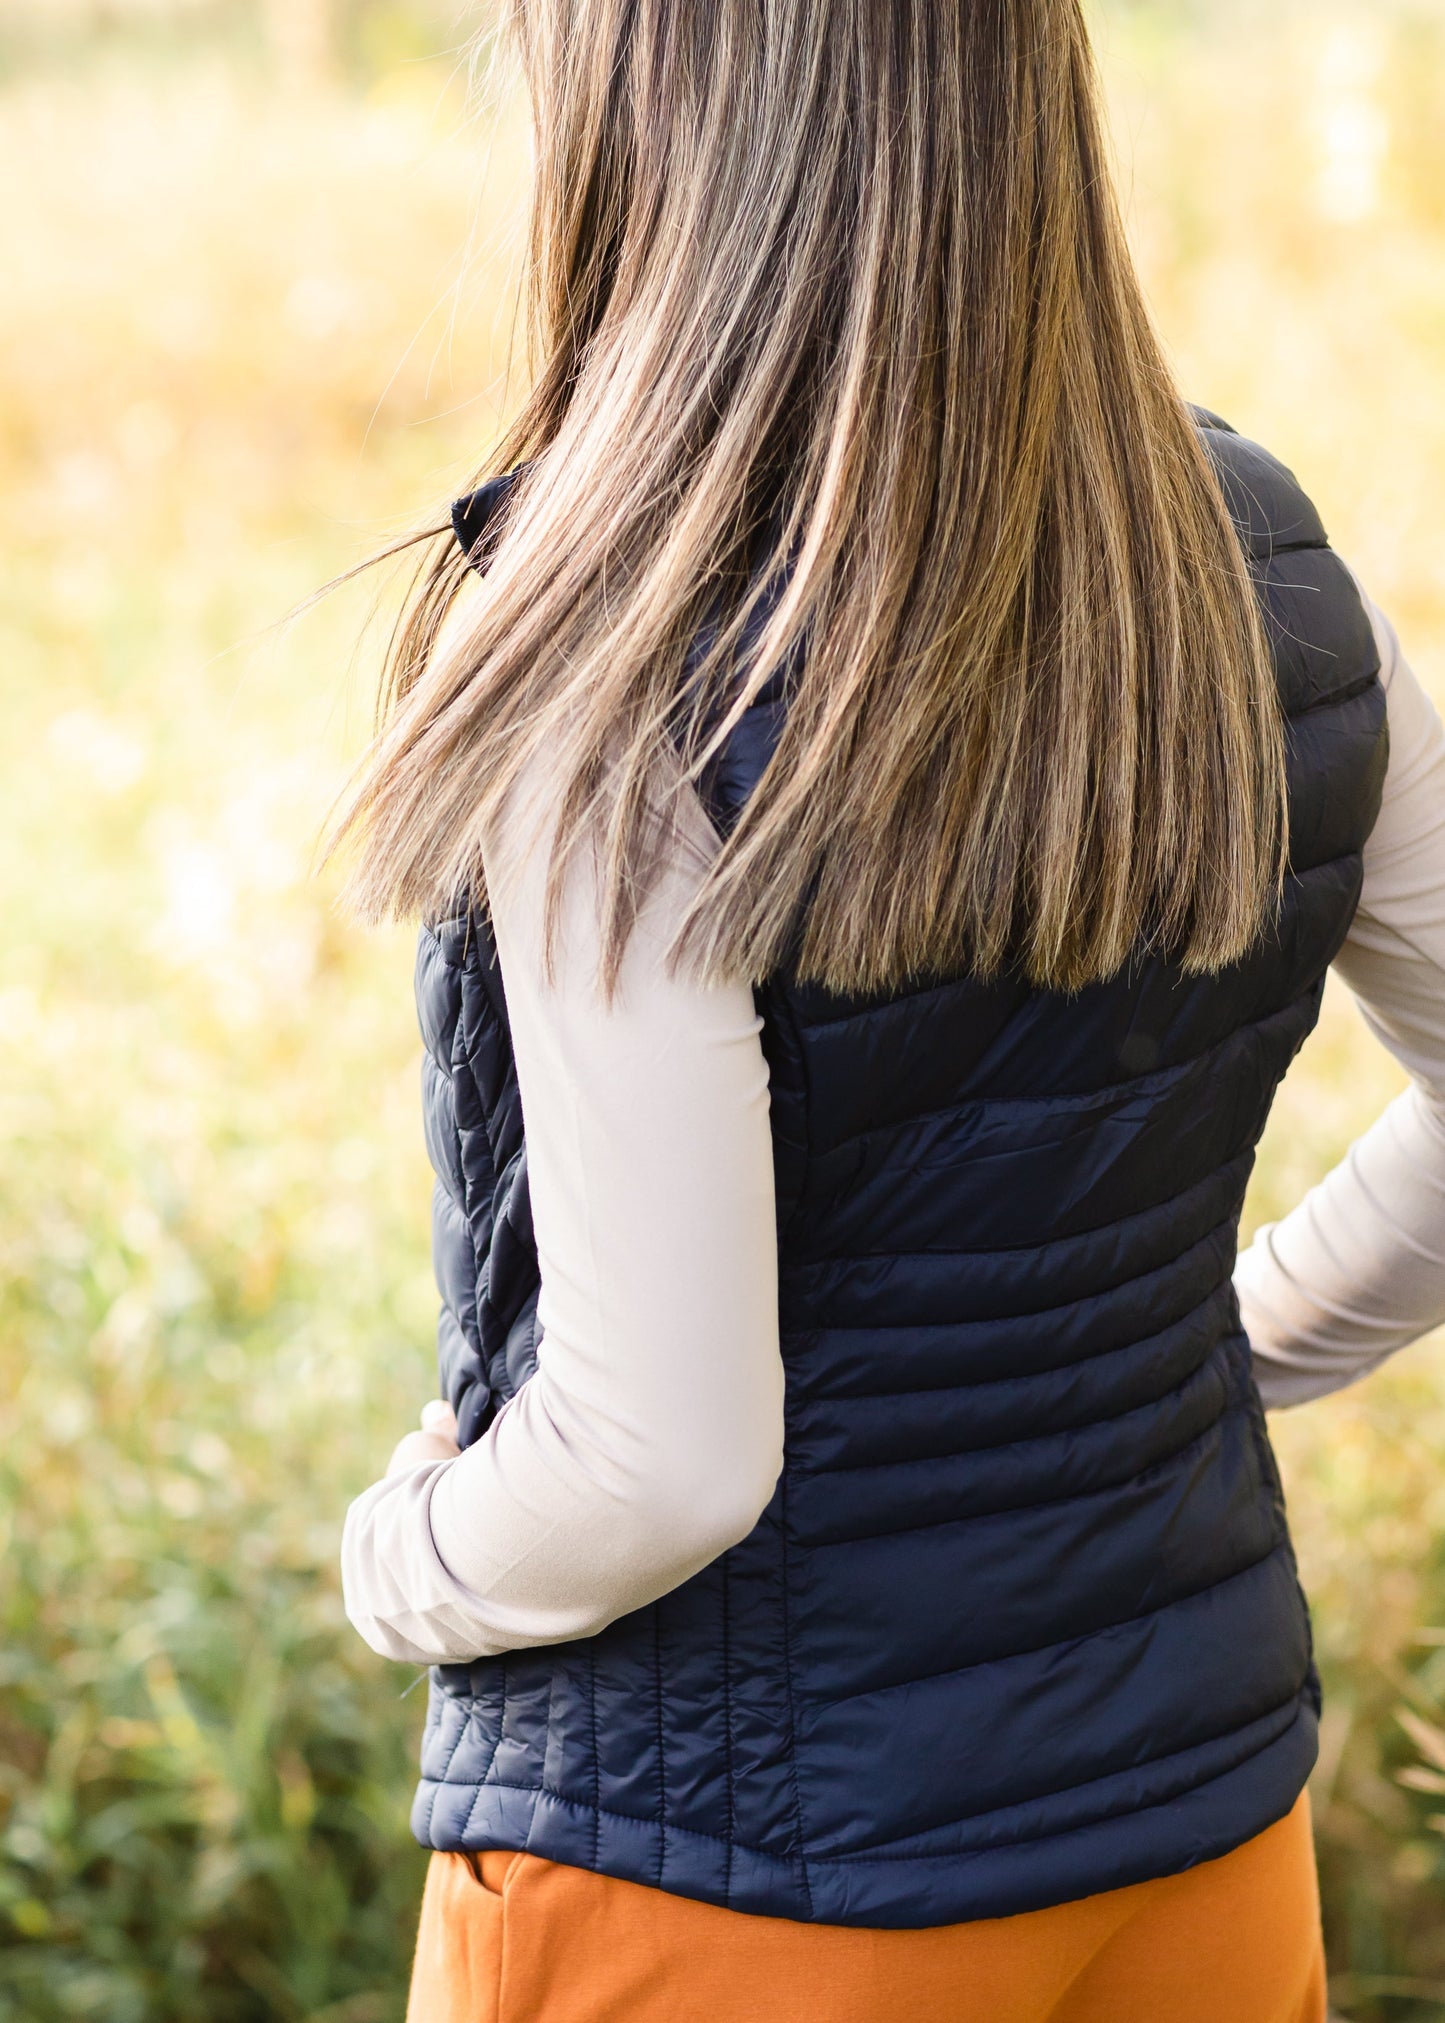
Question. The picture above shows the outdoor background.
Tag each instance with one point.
(254, 320)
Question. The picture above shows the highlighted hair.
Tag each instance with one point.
(842, 367)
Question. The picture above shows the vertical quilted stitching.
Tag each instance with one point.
(481, 1783)
(661, 1744)
(792, 1699)
(729, 1821)
(596, 1758)
(872, 1288)
(463, 1723)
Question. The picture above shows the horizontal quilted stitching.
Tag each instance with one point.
(1023, 1612)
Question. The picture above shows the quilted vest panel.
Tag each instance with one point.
(1022, 1620)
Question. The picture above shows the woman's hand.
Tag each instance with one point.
(437, 1440)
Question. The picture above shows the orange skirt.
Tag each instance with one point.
(510, 1938)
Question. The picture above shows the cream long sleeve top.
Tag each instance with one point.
(650, 1438)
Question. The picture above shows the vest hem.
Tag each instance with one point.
(895, 1892)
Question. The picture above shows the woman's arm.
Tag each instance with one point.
(1358, 1269)
(650, 1438)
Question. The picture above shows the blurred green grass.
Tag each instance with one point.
(256, 320)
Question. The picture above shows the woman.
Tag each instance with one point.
(885, 810)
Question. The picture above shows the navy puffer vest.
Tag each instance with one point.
(1021, 1621)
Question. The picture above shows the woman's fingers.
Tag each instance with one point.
(418, 1447)
(437, 1440)
(438, 1417)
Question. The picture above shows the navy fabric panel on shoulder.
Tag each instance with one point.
(1022, 1620)
(474, 518)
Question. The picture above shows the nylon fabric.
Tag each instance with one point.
(1022, 1622)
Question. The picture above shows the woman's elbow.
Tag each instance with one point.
(706, 1510)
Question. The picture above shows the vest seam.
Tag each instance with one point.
(471, 1207)
(481, 1783)
(544, 1790)
(596, 1759)
(1350, 693)
(1154, 1083)
(429, 930)
(1274, 551)
(786, 1015)
(1268, 1463)
(1118, 1223)
(496, 1746)
(729, 1818)
(1056, 1833)
(1021, 1250)
(462, 1727)
(1236, 1405)
(1277, 1545)
(466, 1322)
(793, 1777)
(814, 1396)
(661, 1746)
(501, 1724)
(823, 1471)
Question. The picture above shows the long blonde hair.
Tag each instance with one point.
(843, 374)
